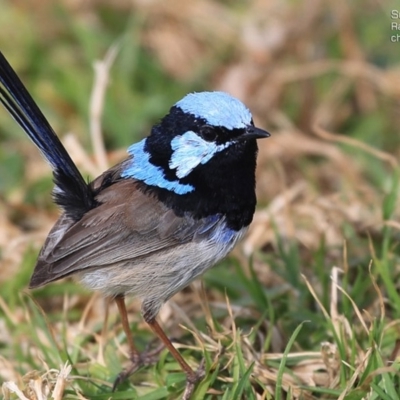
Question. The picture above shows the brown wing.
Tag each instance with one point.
(127, 224)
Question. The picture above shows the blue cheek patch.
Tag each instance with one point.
(143, 170)
(217, 108)
(190, 150)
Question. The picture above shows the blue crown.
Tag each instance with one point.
(217, 109)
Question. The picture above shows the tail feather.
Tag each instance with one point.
(71, 192)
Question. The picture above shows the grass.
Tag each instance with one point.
(308, 305)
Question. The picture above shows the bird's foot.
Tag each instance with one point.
(192, 379)
(138, 360)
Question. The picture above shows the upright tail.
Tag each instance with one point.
(71, 192)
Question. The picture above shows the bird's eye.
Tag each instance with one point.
(208, 133)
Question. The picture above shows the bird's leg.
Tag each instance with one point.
(133, 352)
(192, 377)
(136, 358)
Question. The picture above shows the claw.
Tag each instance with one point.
(138, 360)
(192, 380)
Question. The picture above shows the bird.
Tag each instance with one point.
(150, 225)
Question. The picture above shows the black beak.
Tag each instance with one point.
(252, 132)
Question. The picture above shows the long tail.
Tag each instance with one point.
(71, 192)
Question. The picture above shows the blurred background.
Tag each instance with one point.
(323, 77)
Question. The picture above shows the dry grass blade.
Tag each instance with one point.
(101, 78)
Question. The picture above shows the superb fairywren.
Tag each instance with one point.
(159, 219)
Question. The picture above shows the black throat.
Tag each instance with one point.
(224, 185)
